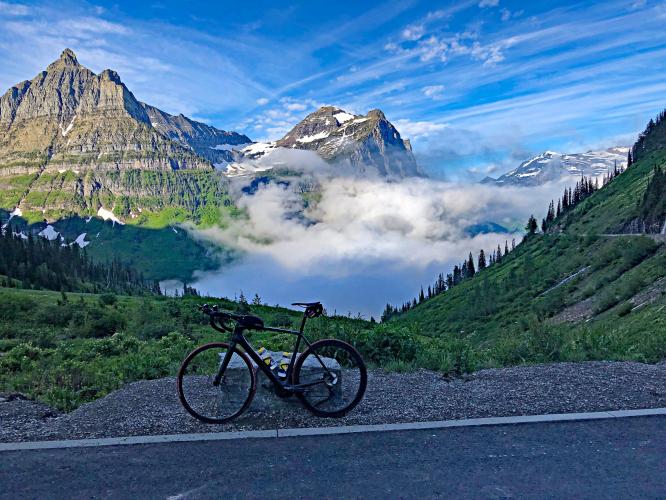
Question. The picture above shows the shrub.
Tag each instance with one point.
(385, 343)
(108, 299)
(624, 309)
(606, 301)
(281, 319)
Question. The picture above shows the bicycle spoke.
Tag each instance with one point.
(334, 375)
(209, 402)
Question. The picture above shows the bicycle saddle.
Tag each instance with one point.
(312, 309)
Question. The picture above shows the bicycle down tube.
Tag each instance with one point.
(238, 338)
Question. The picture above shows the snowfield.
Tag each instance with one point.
(108, 215)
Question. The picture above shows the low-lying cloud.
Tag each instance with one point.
(360, 222)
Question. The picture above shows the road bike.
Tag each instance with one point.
(217, 381)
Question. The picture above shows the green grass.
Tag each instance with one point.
(66, 349)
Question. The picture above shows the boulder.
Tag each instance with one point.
(265, 397)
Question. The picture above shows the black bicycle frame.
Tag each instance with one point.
(238, 339)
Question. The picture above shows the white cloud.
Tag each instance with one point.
(13, 9)
(357, 222)
(433, 91)
(434, 47)
(484, 169)
(92, 25)
(506, 14)
(416, 129)
(277, 120)
(488, 3)
(262, 101)
(413, 32)
(638, 4)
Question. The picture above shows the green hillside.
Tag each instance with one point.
(577, 291)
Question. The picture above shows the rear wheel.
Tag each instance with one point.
(334, 377)
(216, 404)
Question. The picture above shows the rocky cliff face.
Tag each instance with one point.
(69, 117)
(209, 142)
(369, 143)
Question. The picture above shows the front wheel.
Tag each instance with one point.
(202, 398)
(332, 378)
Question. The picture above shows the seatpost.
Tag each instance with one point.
(305, 317)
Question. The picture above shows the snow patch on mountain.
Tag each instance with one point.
(49, 233)
(552, 166)
(343, 117)
(81, 241)
(108, 215)
(66, 130)
(312, 138)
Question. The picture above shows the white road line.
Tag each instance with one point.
(318, 431)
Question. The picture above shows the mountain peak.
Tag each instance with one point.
(109, 74)
(366, 142)
(68, 57)
(377, 113)
(551, 166)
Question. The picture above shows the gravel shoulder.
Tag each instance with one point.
(152, 407)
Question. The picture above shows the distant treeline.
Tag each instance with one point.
(35, 262)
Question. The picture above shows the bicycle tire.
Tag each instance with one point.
(319, 347)
(182, 374)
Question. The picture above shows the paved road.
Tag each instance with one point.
(617, 458)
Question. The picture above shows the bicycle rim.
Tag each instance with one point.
(334, 377)
(216, 403)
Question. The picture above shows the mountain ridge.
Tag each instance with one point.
(552, 166)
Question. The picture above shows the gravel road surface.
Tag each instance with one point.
(152, 407)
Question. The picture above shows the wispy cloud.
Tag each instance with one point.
(433, 91)
(13, 9)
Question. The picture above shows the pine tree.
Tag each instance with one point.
(243, 306)
(256, 301)
(470, 266)
(532, 225)
(482, 260)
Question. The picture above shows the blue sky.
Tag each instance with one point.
(477, 85)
